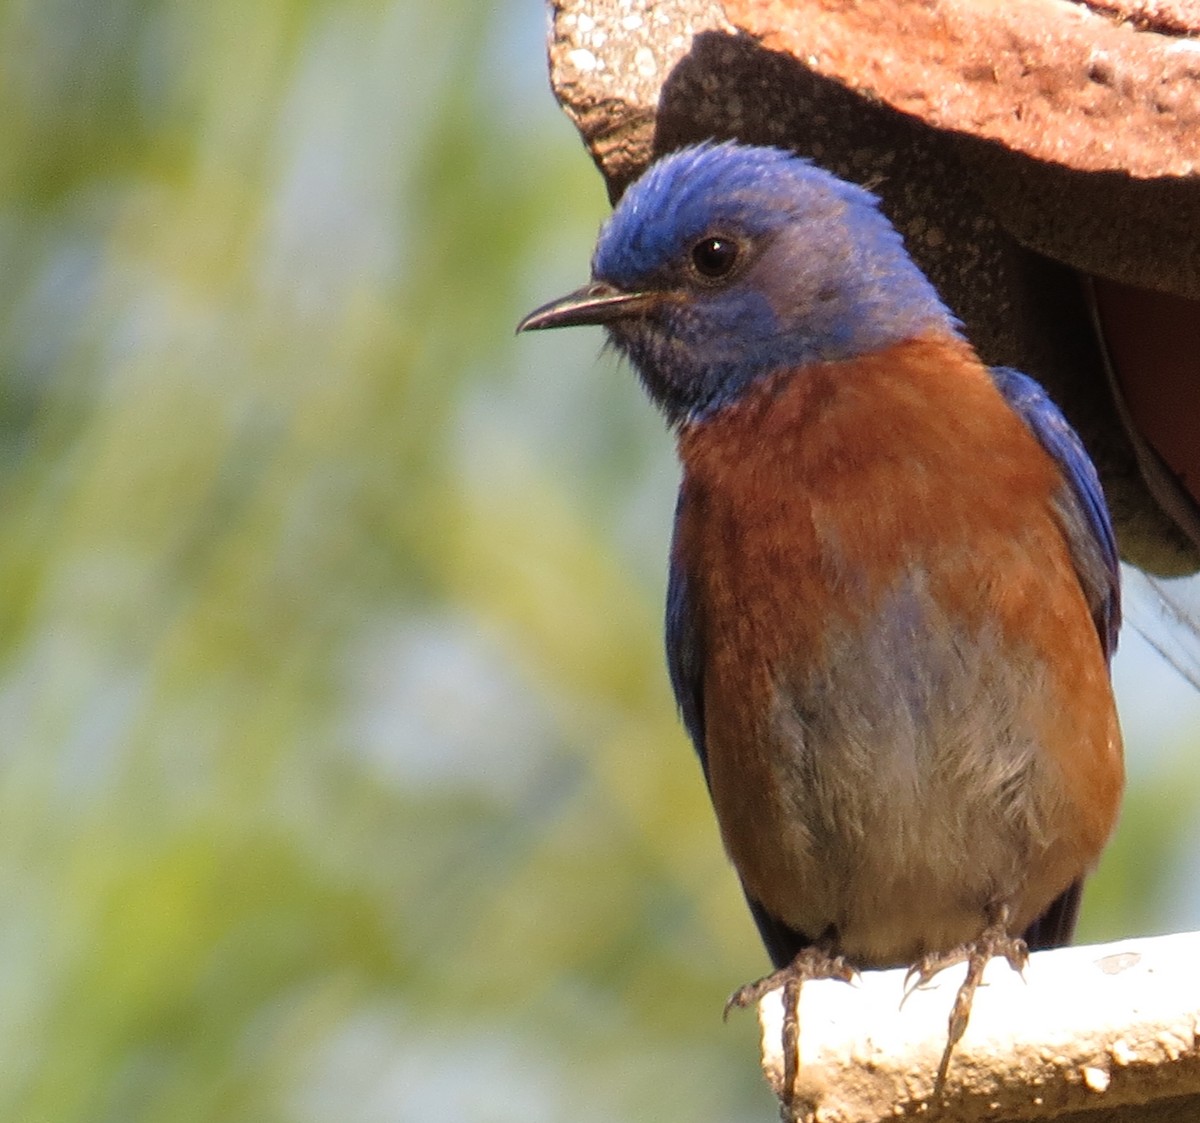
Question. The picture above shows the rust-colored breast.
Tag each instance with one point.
(809, 504)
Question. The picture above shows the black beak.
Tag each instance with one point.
(597, 303)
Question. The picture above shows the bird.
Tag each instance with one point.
(893, 589)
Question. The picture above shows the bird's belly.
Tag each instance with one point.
(895, 789)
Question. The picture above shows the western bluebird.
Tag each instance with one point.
(893, 583)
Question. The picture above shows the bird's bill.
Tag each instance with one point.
(597, 303)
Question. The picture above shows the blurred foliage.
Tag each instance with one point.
(341, 780)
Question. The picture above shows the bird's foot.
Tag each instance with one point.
(995, 940)
(811, 964)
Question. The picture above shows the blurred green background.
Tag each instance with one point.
(341, 780)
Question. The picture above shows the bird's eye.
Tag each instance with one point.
(714, 257)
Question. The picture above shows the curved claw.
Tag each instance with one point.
(922, 973)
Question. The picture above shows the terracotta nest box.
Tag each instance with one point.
(1041, 157)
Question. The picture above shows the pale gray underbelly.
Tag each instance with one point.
(907, 792)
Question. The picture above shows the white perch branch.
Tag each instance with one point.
(1110, 1032)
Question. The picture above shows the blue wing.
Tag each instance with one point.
(1089, 533)
(685, 662)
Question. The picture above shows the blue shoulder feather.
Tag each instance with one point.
(685, 662)
(1093, 544)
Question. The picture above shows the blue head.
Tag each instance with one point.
(724, 264)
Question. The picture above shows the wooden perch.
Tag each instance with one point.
(1102, 1034)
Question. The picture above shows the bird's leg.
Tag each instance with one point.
(994, 940)
(810, 964)
(790, 1046)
